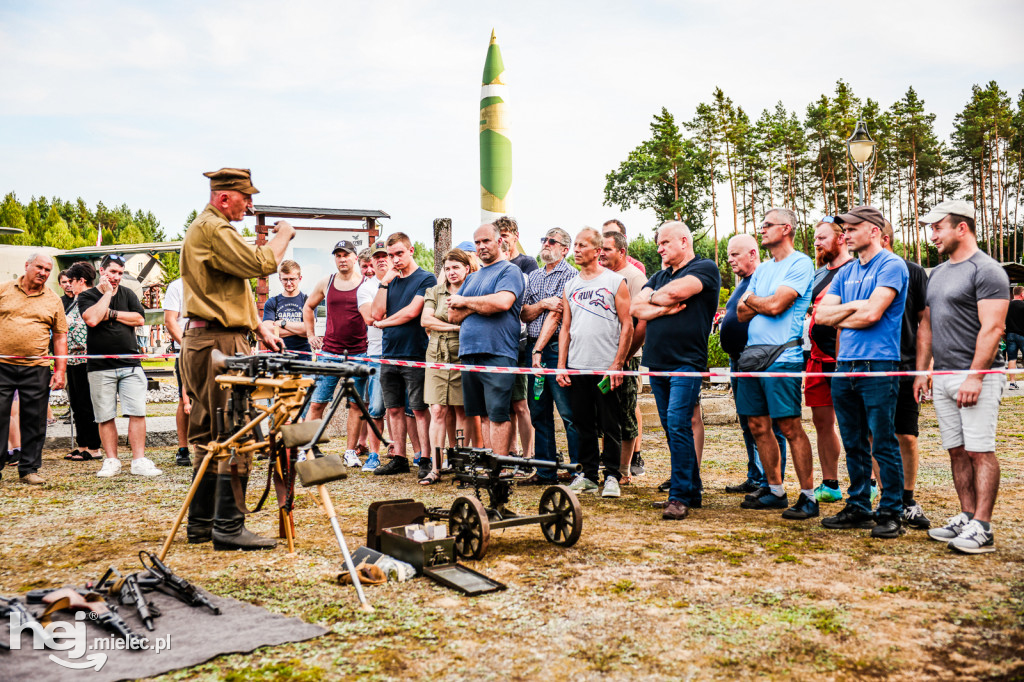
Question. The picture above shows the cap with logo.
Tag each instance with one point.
(951, 207)
(378, 247)
(862, 214)
(237, 179)
(344, 245)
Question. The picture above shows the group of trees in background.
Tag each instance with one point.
(72, 224)
(722, 156)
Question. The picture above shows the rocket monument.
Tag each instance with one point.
(495, 145)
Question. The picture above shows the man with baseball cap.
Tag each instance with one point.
(216, 265)
(865, 302)
(963, 321)
(345, 334)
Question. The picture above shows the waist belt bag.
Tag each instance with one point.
(759, 357)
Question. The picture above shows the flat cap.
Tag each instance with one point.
(862, 214)
(237, 179)
(951, 207)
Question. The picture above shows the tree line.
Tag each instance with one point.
(723, 155)
(73, 224)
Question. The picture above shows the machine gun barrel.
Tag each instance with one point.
(541, 463)
(340, 369)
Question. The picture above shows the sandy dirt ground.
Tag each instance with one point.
(725, 594)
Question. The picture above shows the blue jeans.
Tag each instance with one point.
(374, 395)
(542, 414)
(868, 405)
(676, 398)
(755, 471)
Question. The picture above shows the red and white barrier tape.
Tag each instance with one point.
(553, 371)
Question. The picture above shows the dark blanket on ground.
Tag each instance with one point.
(196, 635)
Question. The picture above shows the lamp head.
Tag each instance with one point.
(859, 145)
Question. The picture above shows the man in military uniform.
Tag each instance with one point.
(216, 264)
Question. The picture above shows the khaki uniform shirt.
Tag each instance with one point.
(26, 322)
(216, 265)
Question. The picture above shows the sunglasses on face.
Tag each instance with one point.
(116, 259)
(548, 241)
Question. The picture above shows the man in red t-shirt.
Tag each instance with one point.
(832, 254)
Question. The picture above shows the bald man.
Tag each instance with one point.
(678, 303)
(744, 257)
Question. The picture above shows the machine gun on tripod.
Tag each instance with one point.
(282, 380)
(470, 523)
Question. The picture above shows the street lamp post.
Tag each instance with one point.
(861, 150)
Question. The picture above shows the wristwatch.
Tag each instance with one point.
(284, 324)
(536, 351)
(744, 297)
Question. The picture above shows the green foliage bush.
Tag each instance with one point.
(716, 356)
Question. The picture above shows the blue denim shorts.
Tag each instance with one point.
(323, 392)
(769, 396)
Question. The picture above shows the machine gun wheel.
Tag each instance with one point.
(469, 525)
(566, 529)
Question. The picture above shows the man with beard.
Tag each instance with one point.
(832, 255)
(964, 317)
(542, 312)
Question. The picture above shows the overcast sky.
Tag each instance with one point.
(375, 105)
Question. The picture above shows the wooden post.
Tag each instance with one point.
(442, 241)
(262, 286)
(371, 228)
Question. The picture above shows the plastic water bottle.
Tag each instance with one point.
(538, 384)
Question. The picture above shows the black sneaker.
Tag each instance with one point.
(805, 508)
(757, 492)
(664, 487)
(637, 467)
(745, 487)
(395, 465)
(913, 516)
(887, 526)
(769, 500)
(182, 459)
(425, 468)
(849, 518)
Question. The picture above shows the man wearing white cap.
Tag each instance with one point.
(963, 322)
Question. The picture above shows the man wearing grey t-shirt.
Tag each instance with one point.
(595, 335)
(963, 322)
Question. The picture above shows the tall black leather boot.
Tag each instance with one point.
(200, 510)
(229, 531)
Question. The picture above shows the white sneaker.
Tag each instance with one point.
(974, 539)
(352, 459)
(301, 457)
(111, 467)
(582, 484)
(611, 488)
(144, 467)
(954, 526)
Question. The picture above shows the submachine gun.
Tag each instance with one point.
(470, 522)
(282, 381)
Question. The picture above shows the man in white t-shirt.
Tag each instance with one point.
(175, 321)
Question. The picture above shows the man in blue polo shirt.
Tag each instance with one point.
(487, 311)
(865, 301)
(776, 303)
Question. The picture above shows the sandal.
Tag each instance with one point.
(430, 479)
(74, 456)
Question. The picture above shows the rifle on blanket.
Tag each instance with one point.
(283, 381)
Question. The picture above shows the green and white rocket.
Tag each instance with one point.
(495, 145)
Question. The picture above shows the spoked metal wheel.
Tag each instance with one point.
(566, 528)
(468, 524)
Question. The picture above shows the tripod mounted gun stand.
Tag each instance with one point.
(279, 378)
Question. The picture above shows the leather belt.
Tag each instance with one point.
(195, 323)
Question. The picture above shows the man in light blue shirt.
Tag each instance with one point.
(776, 303)
(865, 301)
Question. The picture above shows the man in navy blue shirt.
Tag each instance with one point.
(282, 314)
(744, 257)
(487, 311)
(396, 309)
(865, 301)
(679, 303)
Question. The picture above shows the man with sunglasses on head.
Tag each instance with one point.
(542, 313)
(775, 304)
(216, 265)
(112, 313)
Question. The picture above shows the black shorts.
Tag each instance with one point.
(177, 377)
(907, 409)
(627, 401)
(403, 387)
(488, 394)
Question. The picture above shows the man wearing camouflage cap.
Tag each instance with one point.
(216, 264)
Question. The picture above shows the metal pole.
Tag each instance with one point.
(860, 185)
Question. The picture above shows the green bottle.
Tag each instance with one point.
(538, 384)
